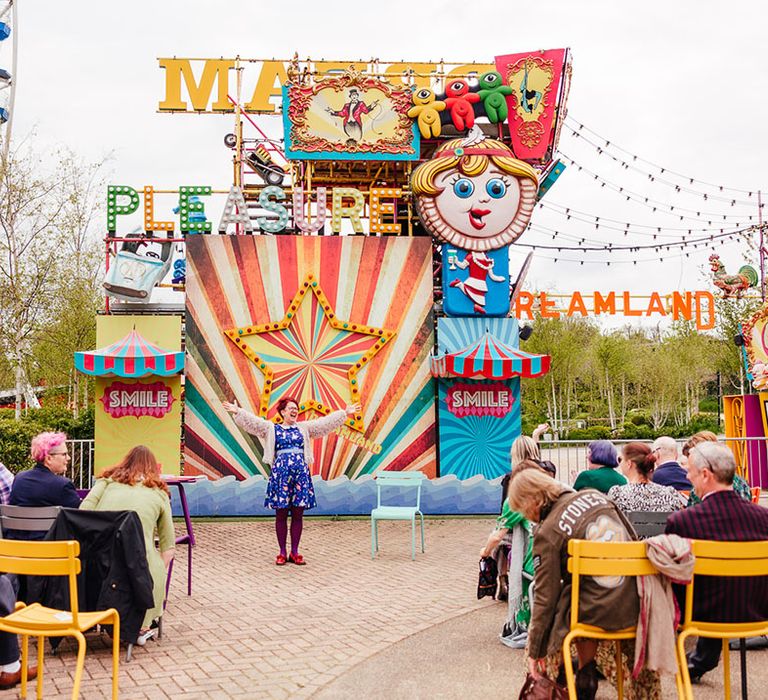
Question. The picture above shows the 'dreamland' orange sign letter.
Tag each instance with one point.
(679, 305)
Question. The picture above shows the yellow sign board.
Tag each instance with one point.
(155, 418)
(208, 85)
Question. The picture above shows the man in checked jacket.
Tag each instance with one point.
(724, 516)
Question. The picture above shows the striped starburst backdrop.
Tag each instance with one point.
(239, 284)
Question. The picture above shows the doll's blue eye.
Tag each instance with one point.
(463, 188)
(496, 188)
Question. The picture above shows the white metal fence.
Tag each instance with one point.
(569, 456)
(81, 466)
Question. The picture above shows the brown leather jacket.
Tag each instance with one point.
(610, 602)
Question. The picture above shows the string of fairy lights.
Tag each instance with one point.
(688, 213)
(652, 168)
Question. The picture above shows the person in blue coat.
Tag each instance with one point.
(45, 484)
(668, 471)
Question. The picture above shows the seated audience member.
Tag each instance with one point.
(45, 484)
(10, 667)
(601, 473)
(135, 484)
(523, 448)
(723, 516)
(511, 544)
(563, 515)
(6, 482)
(668, 471)
(641, 494)
(740, 486)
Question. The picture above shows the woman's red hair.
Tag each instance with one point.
(282, 404)
(138, 466)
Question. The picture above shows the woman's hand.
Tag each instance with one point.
(232, 408)
(351, 410)
(494, 540)
(540, 430)
(536, 667)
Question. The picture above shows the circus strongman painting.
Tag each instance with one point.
(270, 317)
(349, 117)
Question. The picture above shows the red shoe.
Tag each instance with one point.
(280, 560)
(296, 559)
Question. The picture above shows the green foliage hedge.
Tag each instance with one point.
(15, 436)
(638, 430)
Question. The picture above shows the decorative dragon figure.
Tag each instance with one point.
(733, 286)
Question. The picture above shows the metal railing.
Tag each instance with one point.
(569, 456)
(81, 466)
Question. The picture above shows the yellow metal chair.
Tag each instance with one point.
(720, 559)
(588, 558)
(53, 559)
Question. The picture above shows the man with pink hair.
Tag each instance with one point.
(45, 484)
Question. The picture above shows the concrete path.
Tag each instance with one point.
(342, 626)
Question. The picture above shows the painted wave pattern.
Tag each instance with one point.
(446, 495)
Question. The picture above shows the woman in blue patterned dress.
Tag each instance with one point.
(288, 449)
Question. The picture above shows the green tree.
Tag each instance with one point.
(48, 260)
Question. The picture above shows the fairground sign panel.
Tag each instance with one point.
(209, 85)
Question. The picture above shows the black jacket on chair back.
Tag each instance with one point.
(114, 570)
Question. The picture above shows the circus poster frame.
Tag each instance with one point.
(312, 129)
(247, 288)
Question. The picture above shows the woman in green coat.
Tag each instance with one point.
(135, 484)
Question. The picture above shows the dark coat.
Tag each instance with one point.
(114, 574)
(726, 517)
(39, 486)
(671, 474)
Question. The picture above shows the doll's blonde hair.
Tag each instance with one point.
(423, 178)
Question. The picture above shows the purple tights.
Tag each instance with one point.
(281, 528)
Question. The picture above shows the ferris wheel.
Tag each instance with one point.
(8, 59)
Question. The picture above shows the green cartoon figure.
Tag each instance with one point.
(493, 92)
(426, 110)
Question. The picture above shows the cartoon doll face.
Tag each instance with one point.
(479, 206)
(476, 196)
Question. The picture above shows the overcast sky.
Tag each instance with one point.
(682, 84)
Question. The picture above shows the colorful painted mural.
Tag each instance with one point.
(138, 393)
(250, 284)
(478, 419)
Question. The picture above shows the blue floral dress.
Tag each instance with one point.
(290, 483)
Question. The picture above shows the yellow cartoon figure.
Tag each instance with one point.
(426, 110)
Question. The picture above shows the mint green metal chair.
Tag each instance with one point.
(403, 480)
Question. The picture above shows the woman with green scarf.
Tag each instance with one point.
(514, 531)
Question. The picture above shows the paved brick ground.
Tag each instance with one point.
(342, 627)
(254, 630)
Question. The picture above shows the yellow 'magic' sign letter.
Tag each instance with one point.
(199, 93)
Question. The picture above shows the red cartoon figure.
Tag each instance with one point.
(475, 286)
(459, 102)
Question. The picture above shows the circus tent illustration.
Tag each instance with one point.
(132, 356)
